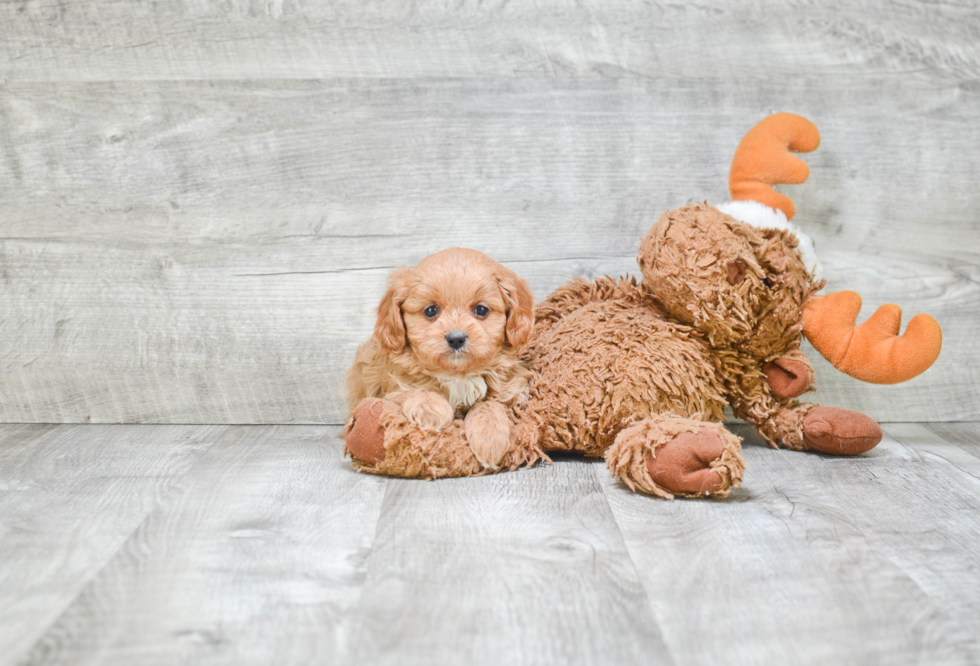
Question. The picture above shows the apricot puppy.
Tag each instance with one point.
(445, 346)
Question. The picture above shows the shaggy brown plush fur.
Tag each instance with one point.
(620, 368)
(640, 372)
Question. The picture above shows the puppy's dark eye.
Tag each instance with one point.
(481, 311)
(767, 282)
(431, 312)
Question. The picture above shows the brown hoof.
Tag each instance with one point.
(843, 432)
(365, 436)
(682, 465)
(787, 377)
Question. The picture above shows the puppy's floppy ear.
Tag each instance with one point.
(389, 329)
(520, 305)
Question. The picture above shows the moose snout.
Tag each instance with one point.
(456, 339)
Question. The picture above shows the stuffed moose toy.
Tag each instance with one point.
(640, 372)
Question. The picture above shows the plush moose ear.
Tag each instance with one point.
(520, 306)
(389, 328)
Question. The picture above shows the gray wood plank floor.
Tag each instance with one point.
(259, 544)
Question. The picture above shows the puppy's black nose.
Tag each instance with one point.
(456, 339)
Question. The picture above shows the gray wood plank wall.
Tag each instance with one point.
(199, 201)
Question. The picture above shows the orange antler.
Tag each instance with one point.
(762, 160)
(873, 351)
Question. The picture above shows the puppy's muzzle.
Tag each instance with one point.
(455, 340)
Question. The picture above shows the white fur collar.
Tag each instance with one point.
(464, 392)
(761, 216)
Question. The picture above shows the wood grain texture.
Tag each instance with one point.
(423, 38)
(518, 568)
(256, 555)
(255, 345)
(201, 200)
(69, 499)
(880, 544)
(260, 544)
(943, 532)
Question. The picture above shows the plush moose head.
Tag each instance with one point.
(740, 286)
(747, 278)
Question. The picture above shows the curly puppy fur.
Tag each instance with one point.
(445, 345)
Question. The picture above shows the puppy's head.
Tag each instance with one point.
(455, 311)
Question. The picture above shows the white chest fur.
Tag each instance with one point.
(463, 392)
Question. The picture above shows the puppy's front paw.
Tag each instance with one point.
(487, 428)
(428, 410)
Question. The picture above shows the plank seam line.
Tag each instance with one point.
(69, 604)
(629, 555)
(358, 608)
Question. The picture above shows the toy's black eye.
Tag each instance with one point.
(767, 282)
(481, 311)
(431, 312)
